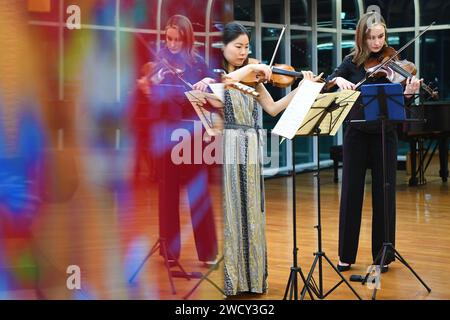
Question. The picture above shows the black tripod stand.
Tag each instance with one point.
(318, 289)
(387, 247)
(161, 245)
(292, 285)
(205, 277)
(328, 109)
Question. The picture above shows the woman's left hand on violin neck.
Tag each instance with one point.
(309, 75)
(412, 86)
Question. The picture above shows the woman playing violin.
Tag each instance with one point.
(244, 213)
(176, 69)
(363, 147)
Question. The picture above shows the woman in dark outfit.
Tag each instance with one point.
(171, 110)
(362, 143)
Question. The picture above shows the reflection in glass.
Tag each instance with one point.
(269, 40)
(195, 10)
(325, 13)
(138, 14)
(272, 11)
(301, 60)
(326, 54)
(434, 10)
(349, 14)
(398, 13)
(244, 10)
(300, 12)
(435, 66)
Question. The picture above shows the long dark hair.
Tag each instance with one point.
(186, 31)
(231, 32)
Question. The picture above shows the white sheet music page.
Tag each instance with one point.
(218, 89)
(297, 109)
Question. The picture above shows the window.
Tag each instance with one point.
(300, 12)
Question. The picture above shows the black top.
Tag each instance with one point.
(351, 72)
(168, 97)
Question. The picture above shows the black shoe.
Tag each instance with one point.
(385, 269)
(343, 268)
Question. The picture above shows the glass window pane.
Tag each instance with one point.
(219, 14)
(300, 12)
(435, 65)
(349, 14)
(326, 52)
(326, 62)
(301, 60)
(398, 13)
(272, 11)
(138, 13)
(269, 40)
(215, 53)
(195, 10)
(301, 50)
(434, 10)
(244, 10)
(399, 39)
(348, 43)
(136, 50)
(326, 13)
(303, 150)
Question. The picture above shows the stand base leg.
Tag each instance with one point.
(318, 291)
(292, 285)
(161, 244)
(205, 277)
(385, 250)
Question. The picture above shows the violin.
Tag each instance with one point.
(395, 70)
(156, 70)
(283, 75)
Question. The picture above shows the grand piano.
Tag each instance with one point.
(425, 137)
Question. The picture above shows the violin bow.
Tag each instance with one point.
(278, 44)
(394, 56)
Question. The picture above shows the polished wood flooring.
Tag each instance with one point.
(108, 231)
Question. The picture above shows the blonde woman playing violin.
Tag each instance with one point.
(363, 148)
(175, 65)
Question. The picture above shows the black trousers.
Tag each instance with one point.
(195, 178)
(360, 150)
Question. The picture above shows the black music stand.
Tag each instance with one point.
(324, 118)
(309, 114)
(385, 103)
(292, 284)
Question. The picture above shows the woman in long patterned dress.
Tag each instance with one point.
(245, 252)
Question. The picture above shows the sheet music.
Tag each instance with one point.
(297, 109)
(211, 117)
(218, 89)
(331, 120)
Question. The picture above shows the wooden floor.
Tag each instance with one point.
(107, 232)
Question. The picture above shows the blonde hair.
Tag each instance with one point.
(184, 26)
(369, 20)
